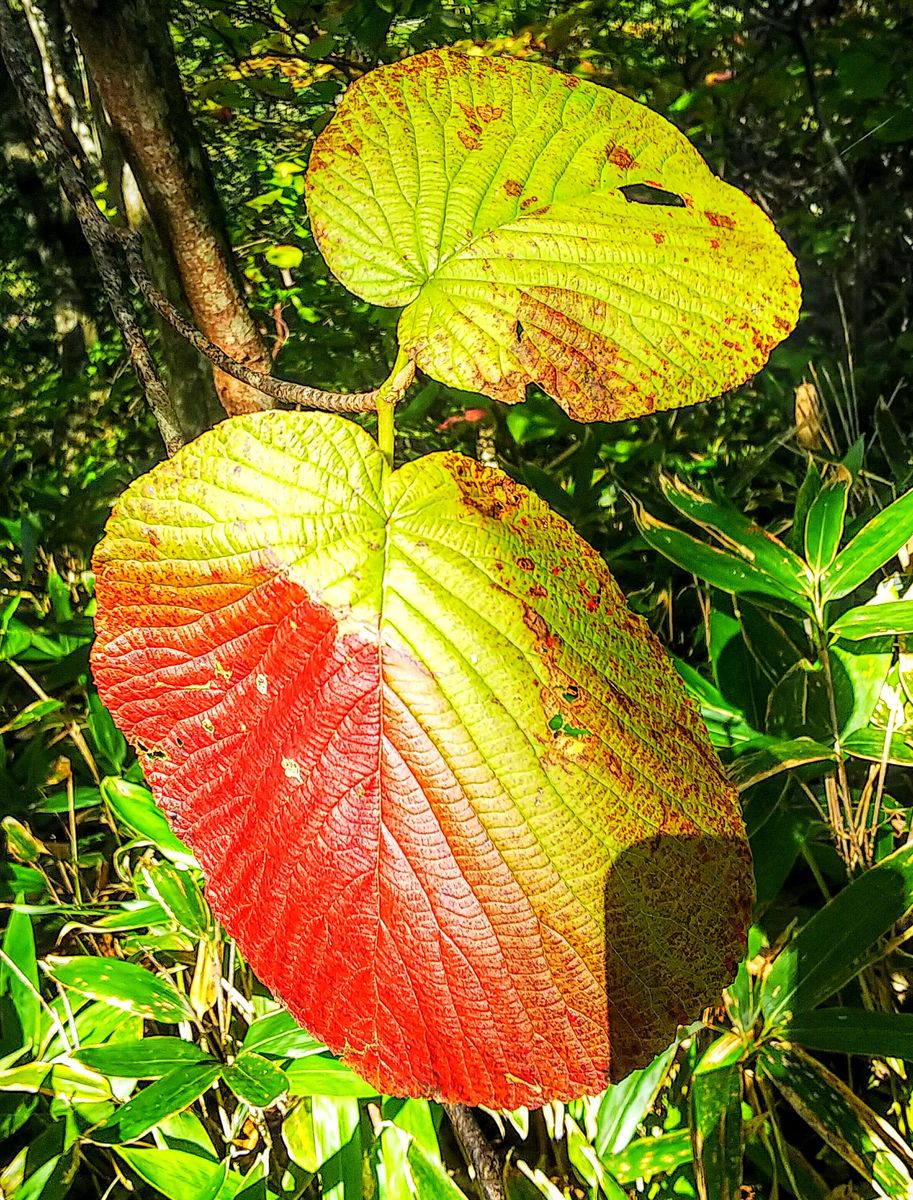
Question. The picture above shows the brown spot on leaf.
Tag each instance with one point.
(353, 147)
(538, 591)
(526, 564)
(470, 142)
(783, 324)
(714, 243)
(720, 220)
(659, 238)
(513, 187)
(530, 200)
(619, 156)
(490, 112)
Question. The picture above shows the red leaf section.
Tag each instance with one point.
(388, 925)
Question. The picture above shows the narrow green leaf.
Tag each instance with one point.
(836, 943)
(871, 548)
(625, 1104)
(716, 1132)
(320, 1075)
(775, 755)
(868, 1143)
(298, 1136)
(721, 569)
(19, 983)
(874, 620)
(854, 1031)
(824, 524)
(123, 985)
(177, 1174)
(43, 1169)
(140, 1058)
(31, 713)
(805, 498)
(431, 1179)
(338, 1144)
(741, 536)
(280, 1034)
(168, 1095)
(255, 1080)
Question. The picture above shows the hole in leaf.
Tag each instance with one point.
(644, 193)
(519, 331)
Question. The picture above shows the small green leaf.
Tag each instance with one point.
(134, 806)
(320, 1075)
(831, 948)
(178, 893)
(854, 1031)
(868, 1143)
(298, 1136)
(287, 258)
(874, 620)
(255, 1080)
(110, 744)
(650, 1156)
(871, 548)
(163, 1098)
(870, 744)
(824, 524)
(140, 1058)
(123, 985)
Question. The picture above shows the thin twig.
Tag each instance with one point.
(478, 1152)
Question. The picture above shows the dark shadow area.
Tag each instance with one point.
(677, 911)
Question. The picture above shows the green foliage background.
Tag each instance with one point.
(799, 1084)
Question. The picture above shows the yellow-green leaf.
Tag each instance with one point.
(539, 228)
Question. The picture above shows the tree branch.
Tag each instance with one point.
(477, 1151)
(13, 42)
(105, 240)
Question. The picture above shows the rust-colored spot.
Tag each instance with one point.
(783, 324)
(538, 590)
(731, 345)
(470, 142)
(353, 147)
(720, 220)
(659, 238)
(526, 564)
(714, 243)
(471, 116)
(619, 156)
(571, 82)
(530, 200)
(490, 112)
(513, 187)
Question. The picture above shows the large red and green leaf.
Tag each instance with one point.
(447, 792)
(485, 195)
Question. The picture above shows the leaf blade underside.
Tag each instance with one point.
(484, 195)
(343, 684)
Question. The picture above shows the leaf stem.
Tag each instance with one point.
(388, 396)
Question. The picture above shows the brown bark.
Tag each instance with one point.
(129, 55)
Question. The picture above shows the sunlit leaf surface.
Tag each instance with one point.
(447, 791)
